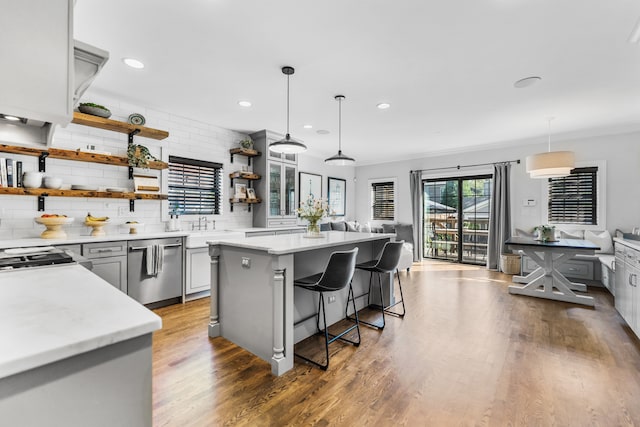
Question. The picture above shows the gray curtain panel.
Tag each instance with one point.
(415, 185)
(500, 218)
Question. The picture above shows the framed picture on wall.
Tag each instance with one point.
(251, 193)
(241, 191)
(337, 195)
(310, 186)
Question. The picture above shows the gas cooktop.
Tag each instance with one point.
(37, 259)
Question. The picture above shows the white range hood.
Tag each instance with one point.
(87, 63)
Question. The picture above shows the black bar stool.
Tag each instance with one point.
(387, 263)
(337, 275)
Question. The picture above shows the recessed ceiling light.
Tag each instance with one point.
(383, 106)
(322, 132)
(527, 81)
(244, 103)
(12, 118)
(308, 126)
(133, 63)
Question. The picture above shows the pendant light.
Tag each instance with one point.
(339, 159)
(287, 145)
(552, 164)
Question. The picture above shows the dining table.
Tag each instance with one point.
(547, 281)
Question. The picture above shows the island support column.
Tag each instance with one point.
(214, 323)
(282, 359)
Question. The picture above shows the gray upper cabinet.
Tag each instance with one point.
(278, 187)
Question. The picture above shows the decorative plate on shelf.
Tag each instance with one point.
(84, 187)
(136, 119)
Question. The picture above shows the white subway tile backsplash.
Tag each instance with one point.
(188, 138)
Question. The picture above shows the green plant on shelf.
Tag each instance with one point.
(139, 156)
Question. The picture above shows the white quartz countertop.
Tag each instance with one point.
(634, 244)
(27, 243)
(52, 313)
(290, 243)
(70, 240)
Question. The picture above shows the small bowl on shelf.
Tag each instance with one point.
(52, 182)
(32, 179)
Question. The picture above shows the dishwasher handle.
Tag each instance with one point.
(141, 248)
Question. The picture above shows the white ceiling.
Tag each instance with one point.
(446, 67)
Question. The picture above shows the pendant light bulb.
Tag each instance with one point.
(339, 159)
(287, 145)
(552, 164)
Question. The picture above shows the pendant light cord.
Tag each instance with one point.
(339, 125)
(287, 106)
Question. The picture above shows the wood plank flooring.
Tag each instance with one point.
(466, 354)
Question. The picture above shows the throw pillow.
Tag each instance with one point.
(404, 232)
(523, 233)
(339, 226)
(577, 234)
(353, 226)
(365, 228)
(602, 239)
(325, 226)
(389, 228)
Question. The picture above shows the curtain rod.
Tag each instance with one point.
(466, 166)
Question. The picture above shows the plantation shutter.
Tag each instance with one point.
(195, 186)
(573, 199)
(383, 200)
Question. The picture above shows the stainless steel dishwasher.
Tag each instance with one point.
(155, 287)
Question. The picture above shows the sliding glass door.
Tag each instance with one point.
(456, 218)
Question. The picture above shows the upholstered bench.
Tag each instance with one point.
(402, 232)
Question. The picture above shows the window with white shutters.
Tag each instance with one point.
(573, 199)
(195, 186)
(383, 198)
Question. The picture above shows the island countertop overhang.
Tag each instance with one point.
(292, 243)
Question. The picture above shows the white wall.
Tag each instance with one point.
(307, 163)
(621, 153)
(187, 138)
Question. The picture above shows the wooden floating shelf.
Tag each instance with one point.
(244, 175)
(117, 126)
(45, 192)
(58, 153)
(244, 152)
(251, 201)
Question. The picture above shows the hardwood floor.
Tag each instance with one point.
(467, 353)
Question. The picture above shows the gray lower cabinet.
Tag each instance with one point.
(627, 299)
(198, 271)
(109, 261)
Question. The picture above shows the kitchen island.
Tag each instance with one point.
(253, 302)
(74, 351)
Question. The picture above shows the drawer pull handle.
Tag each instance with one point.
(173, 245)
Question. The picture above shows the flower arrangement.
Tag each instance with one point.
(546, 233)
(313, 210)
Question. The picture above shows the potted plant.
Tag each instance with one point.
(247, 143)
(94, 109)
(139, 156)
(546, 233)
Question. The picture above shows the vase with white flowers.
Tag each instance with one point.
(313, 210)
